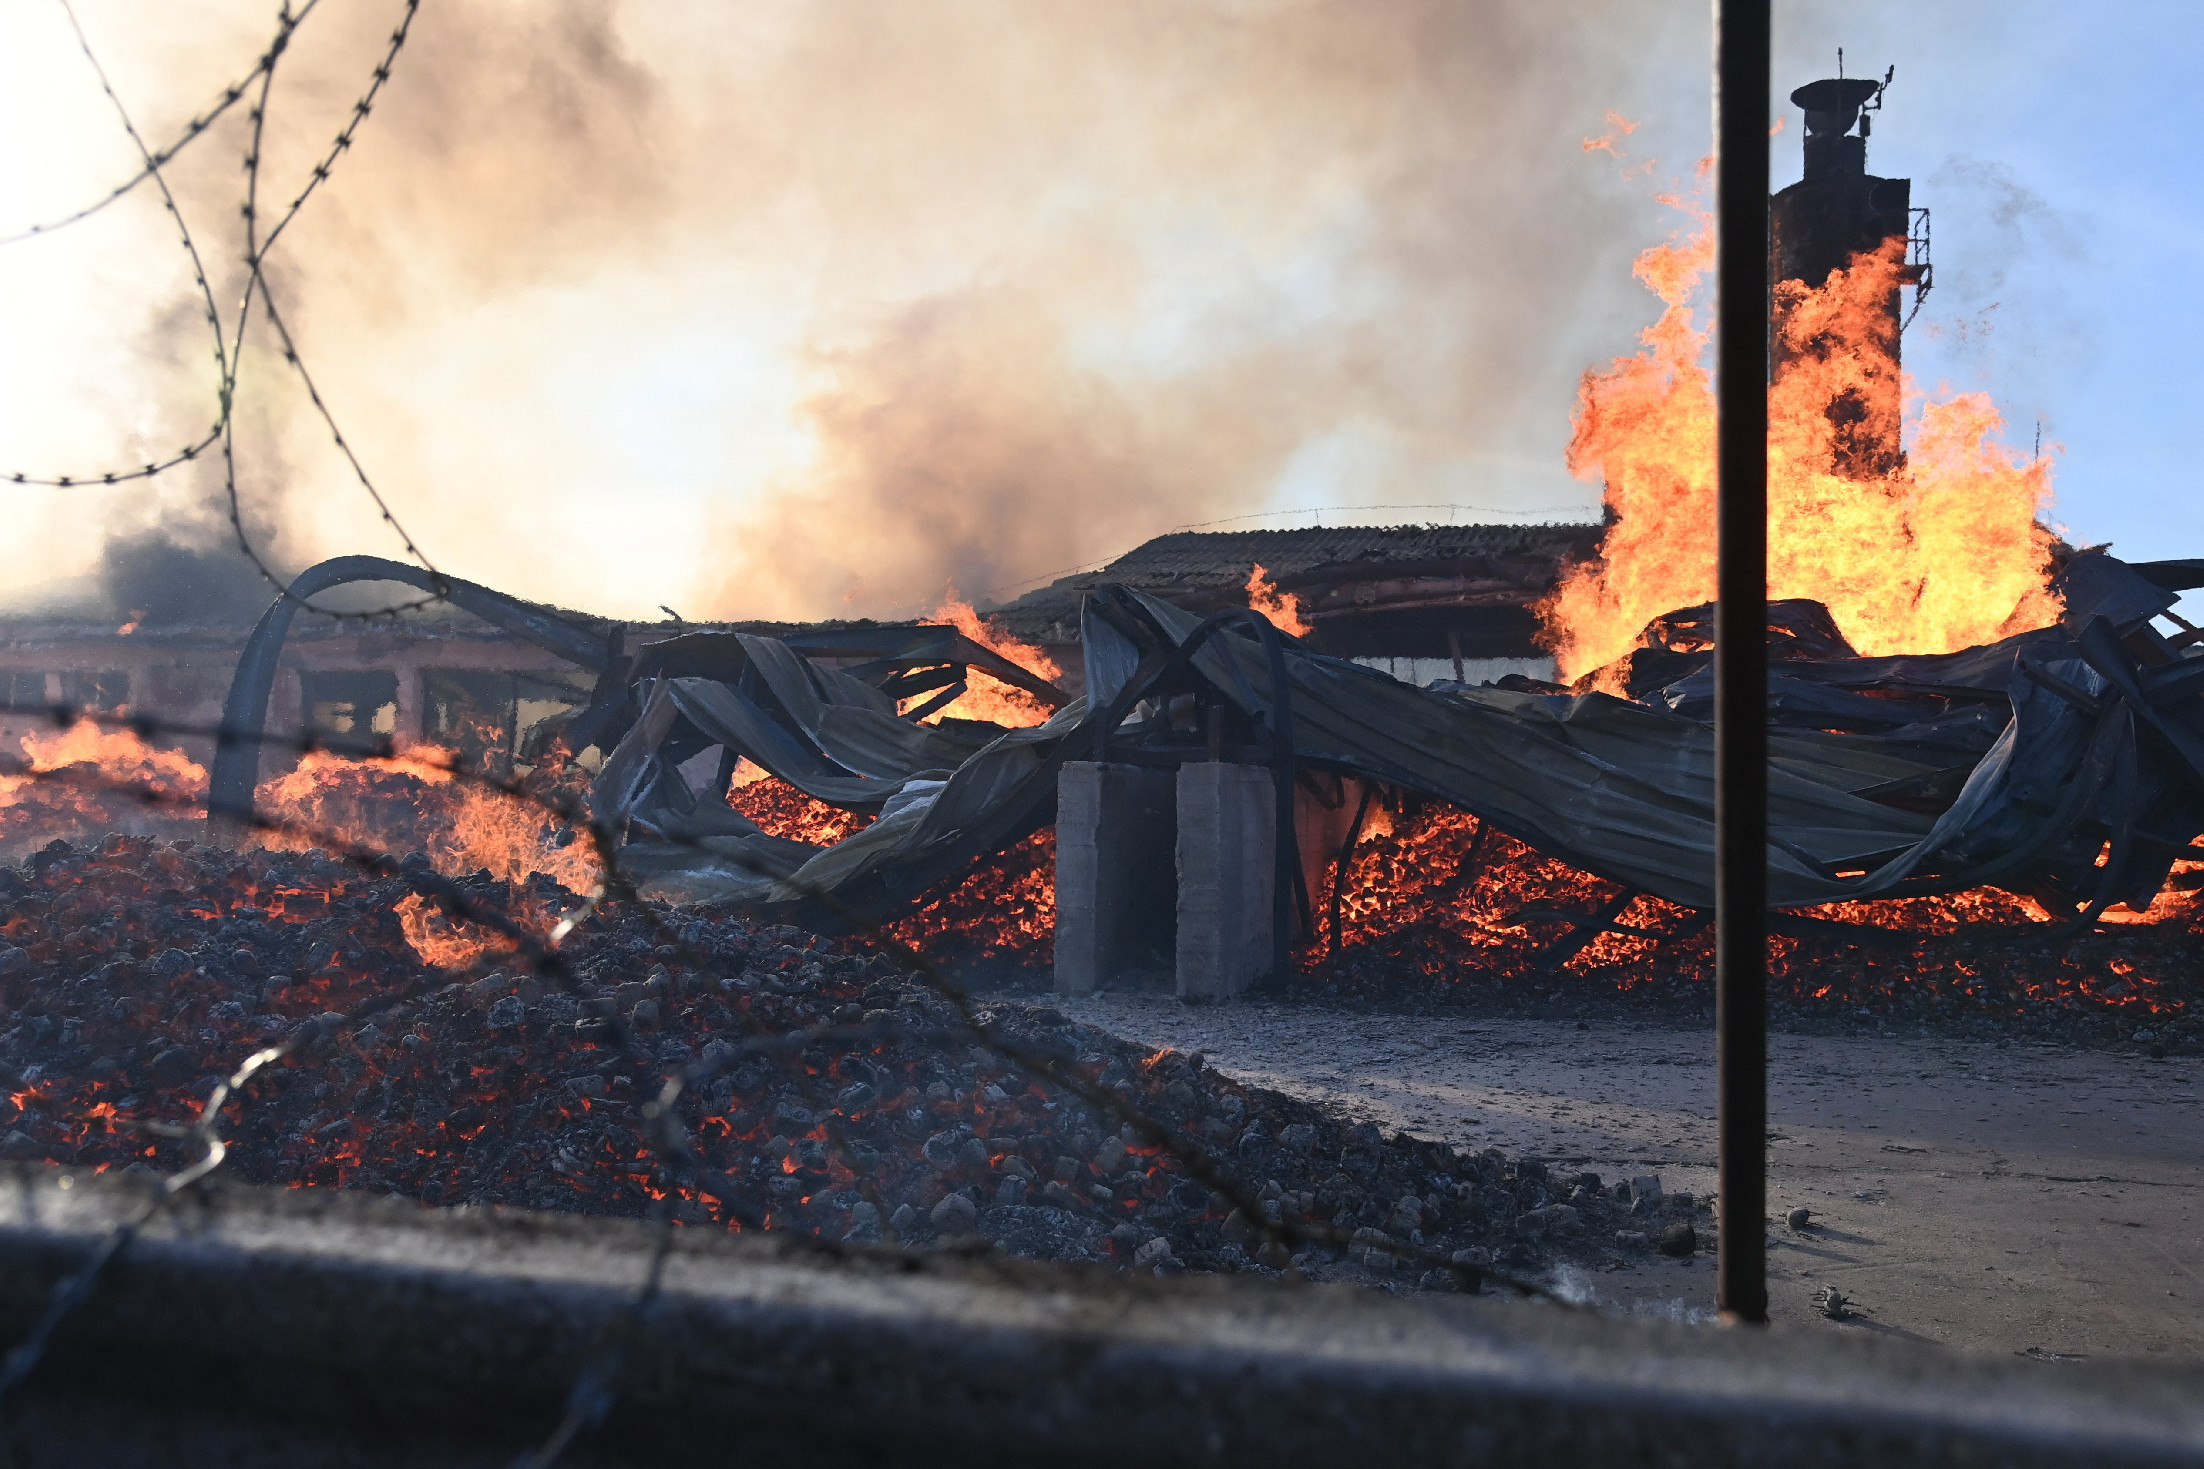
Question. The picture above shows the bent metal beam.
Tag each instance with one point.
(245, 711)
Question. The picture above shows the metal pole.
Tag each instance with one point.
(1741, 654)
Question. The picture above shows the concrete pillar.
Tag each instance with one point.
(1227, 835)
(1115, 894)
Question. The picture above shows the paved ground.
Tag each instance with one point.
(2032, 1199)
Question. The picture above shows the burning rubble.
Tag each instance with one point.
(1436, 906)
(35, 809)
(136, 973)
(1988, 756)
(1971, 720)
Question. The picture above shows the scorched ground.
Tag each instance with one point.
(137, 972)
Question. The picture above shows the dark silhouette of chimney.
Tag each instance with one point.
(1818, 225)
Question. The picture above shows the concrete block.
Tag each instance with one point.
(1115, 886)
(1227, 836)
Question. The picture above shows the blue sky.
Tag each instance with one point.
(2054, 145)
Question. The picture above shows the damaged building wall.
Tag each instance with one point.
(471, 689)
(1421, 603)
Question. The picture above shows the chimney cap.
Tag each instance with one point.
(1833, 104)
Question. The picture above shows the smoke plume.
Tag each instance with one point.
(818, 309)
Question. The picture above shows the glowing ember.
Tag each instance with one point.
(34, 811)
(780, 810)
(987, 697)
(1282, 608)
(1435, 899)
(1939, 553)
(1003, 912)
(506, 1091)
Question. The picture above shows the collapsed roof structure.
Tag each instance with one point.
(2066, 762)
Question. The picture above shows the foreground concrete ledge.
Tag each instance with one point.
(304, 1327)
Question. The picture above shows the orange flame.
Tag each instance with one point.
(1930, 555)
(987, 697)
(413, 802)
(410, 803)
(118, 754)
(1282, 608)
(34, 811)
(1618, 128)
(440, 941)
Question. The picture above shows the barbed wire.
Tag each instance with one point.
(676, 1163)
(343, 140)
(287, 22)
(256, 282)
(229, 355)
(191, 251)
(73, 1290)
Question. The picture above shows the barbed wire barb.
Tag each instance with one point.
(287, 22)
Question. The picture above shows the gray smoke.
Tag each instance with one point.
(154, 577)
(1054, 277)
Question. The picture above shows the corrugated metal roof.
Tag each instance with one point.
(1223, 558)
(1194, 563)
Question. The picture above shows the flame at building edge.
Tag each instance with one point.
(986, 697)
(1941, 553)
(1282, 608)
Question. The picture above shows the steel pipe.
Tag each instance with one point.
(1741, 654)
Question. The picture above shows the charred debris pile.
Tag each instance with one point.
(1997, 830)
(134, 974)
(2004, 829)
(1529, 935)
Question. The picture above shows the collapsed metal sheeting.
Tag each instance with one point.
(2016, 763)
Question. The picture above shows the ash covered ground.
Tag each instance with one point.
(136, 973)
